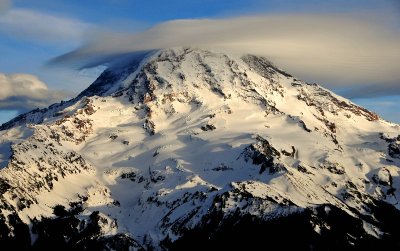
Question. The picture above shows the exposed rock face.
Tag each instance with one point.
(394, 150)
(262, 153)
(182, 147)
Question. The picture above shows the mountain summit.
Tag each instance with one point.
(189, 148)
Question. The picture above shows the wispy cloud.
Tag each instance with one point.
(24, 92)
(42, 27)
(336, 49)
(4, 5)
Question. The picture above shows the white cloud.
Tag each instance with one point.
(37, 26)
(4, 5)
(22, 85)
(25, 92)
(335, 49)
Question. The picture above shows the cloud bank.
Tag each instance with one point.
(42, 27)
(24, 92)
(335, 49)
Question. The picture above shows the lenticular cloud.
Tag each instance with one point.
(337, 49)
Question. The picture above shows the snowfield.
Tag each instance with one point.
(160, 145)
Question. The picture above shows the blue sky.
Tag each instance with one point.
(34, 32)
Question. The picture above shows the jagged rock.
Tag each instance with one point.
(208, 127)
(304, 126)
(334, 168)
(383, 177)
(222, 167)
(149, 126)
(394, 150)
(262, 153)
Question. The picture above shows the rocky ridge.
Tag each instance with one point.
(181, 145)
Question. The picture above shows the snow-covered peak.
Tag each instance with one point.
(185, 68)
(182, 139)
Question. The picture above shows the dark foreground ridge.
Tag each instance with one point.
(340, 231)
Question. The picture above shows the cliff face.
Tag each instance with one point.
(187, 146)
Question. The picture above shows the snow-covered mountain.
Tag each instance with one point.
(188, 147)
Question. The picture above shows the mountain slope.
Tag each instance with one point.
(181, 145)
